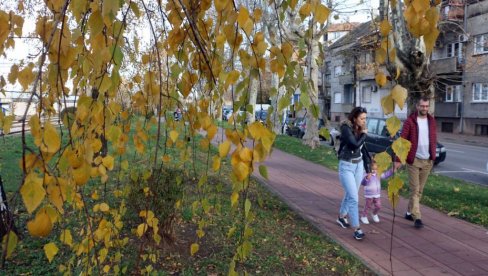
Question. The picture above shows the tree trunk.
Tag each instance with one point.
(253, 93)
(311, 137)
(277, 117)
(411, 59)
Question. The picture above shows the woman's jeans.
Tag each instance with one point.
(350, 175)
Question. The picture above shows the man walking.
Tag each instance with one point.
(420, 130)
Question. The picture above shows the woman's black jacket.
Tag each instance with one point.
(352, 147)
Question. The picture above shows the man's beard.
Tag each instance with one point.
(423, 112)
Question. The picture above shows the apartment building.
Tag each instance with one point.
(459, 60)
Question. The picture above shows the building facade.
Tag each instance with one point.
(459, 60)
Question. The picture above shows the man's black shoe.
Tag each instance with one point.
(418, 223)
(408, 217)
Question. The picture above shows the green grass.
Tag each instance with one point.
(283, 243)
(451, 196)
(322, 155)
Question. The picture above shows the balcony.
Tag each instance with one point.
(446, 65)
(449, 110)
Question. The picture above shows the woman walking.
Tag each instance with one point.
(353, 160)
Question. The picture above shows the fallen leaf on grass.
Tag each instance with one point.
(453, 213)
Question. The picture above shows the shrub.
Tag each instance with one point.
(159, 194)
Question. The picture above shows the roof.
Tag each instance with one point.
(341, 27)
(360, 31)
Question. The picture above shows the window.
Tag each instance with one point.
(481, 130)
(372, 125)
(453, 93)
(447, 127)
(480, 92)
(481, 44)
(366, 94)
(382, 128)
(337, 70)
(337, 97)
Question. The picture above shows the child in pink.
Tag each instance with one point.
(372, 193)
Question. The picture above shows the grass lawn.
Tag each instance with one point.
(454, 197)
(283, 243)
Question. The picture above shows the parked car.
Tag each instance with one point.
(379, 140)
(226, 113)
(261, 115)
(298, 127)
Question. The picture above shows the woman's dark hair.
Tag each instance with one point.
(355, 112)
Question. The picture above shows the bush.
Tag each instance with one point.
(163, 189)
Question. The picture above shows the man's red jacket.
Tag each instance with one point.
(410, 132)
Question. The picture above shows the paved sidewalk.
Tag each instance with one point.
(446, 245)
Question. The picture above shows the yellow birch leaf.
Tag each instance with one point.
(380, 55)
(51, 138)
(55, 196)
(41, 226)
(194, 248)
(385, 27)
(243, 16)
(108, 162)
(401, 147)
(141, 229)
(388, 104)
(383, 160)
(321, 13)
(224, 148)
(82, 174)
(26, 77)
(220, 5)
(394, 186)
(51, 250)
(267, 143)
(14, 70)
(216, 163)
(241, 171)
(104, 207)
(32, 192)
(256, 130)
(293, 4)
(380, 79)
(245, 154)
(211, 131)
(287, 50)
(7, 123)
(66, 237)
(429, 40)
(257, 14)
(393, 125)
(399, 94)
(11, 242)
(305, 10)
(234, 198)
(398, 71)
(421, 6)
(51, 213)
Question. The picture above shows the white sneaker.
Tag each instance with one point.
(376, 218)
(364, 220)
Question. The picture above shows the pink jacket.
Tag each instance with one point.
(372, 187)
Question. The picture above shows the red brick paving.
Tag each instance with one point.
(445, 246)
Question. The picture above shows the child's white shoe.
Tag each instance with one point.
(364, 220)
(376, 218)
